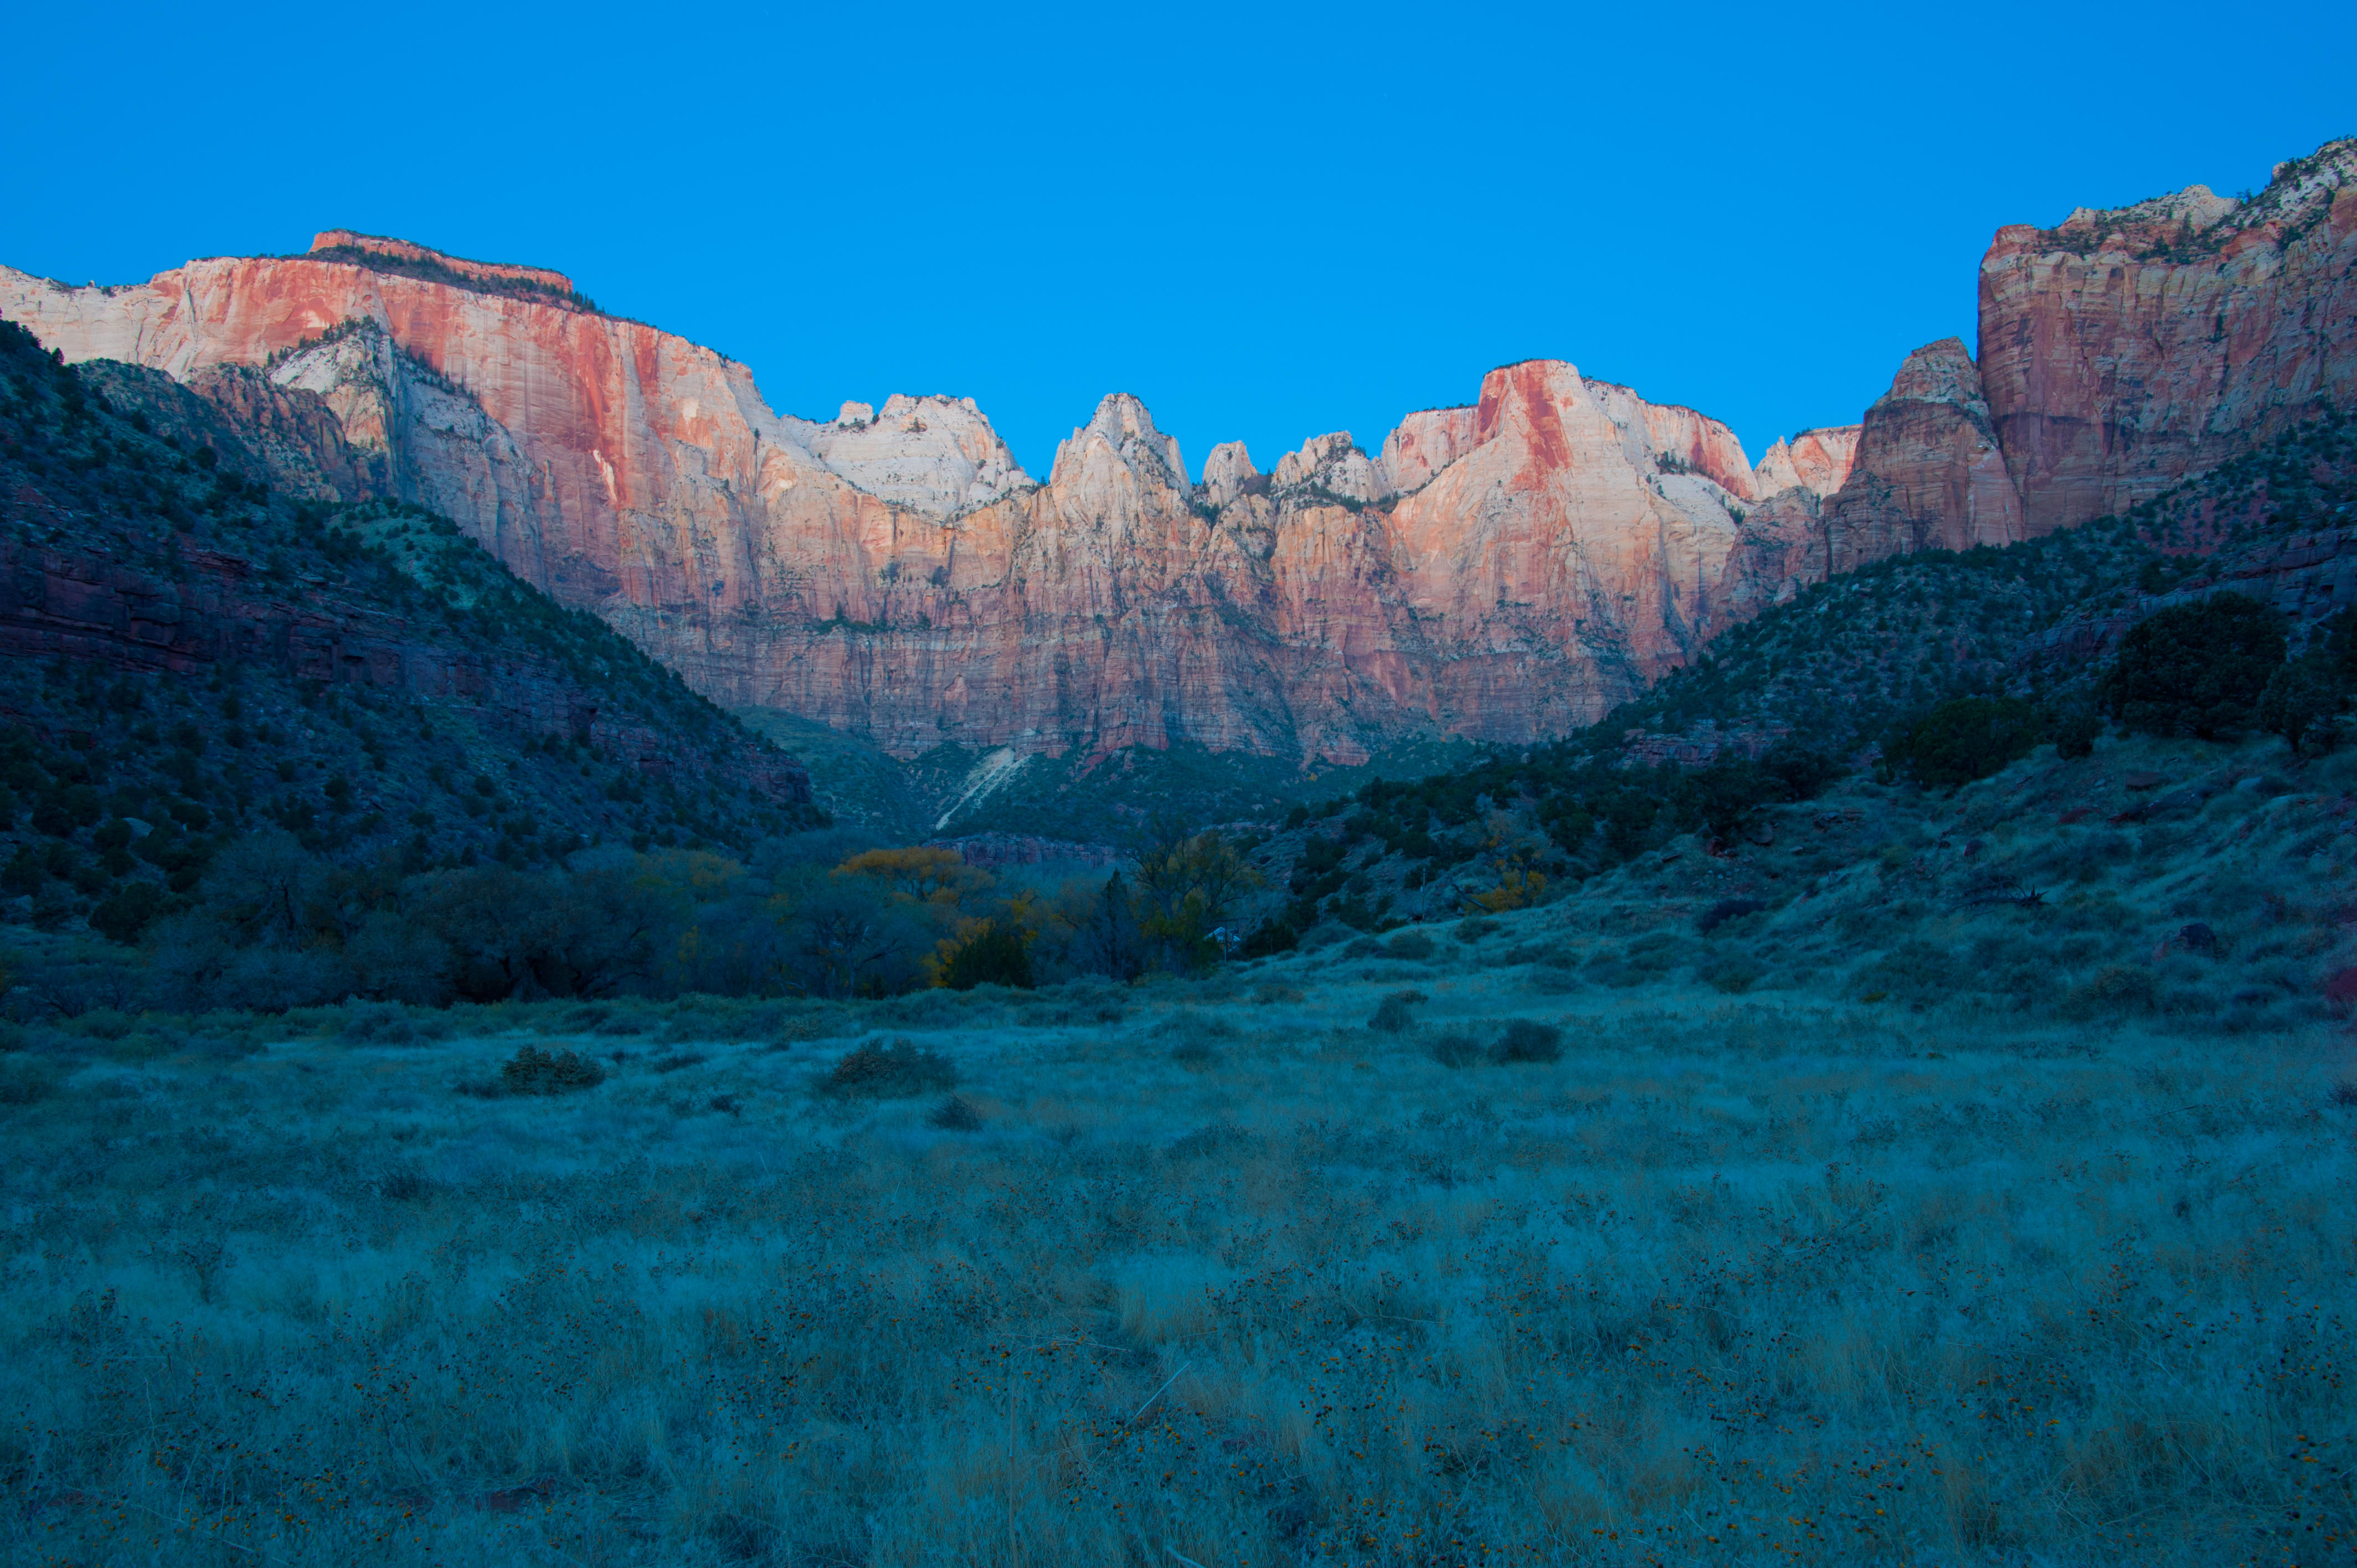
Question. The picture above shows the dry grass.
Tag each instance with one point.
(2049, 1263)
(1734, 1277)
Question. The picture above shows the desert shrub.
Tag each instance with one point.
(892, 1071)
(2116, 990)
(1727, 910)
(1410, 945)
(125, 915)
(534, 1072)
(1457, 1048)
(2196, 669)
(387, 1024)
(2302, 703)
(1528, 1040)
(1963, 739)
(994, 955)
(1731, 972)
(404, 1184)
(1392, 1015)
(1916, 973)
(956, 1115)
(2075, 731)
(25, 1083)
(1272, 936)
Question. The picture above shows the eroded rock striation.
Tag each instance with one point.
(2124, 350)
(1505, 570)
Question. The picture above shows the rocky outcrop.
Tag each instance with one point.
(2124, 349)
(1505, 570)
(1927, 473)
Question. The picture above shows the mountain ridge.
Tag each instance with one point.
(1501, 571)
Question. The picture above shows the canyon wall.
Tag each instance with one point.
(1506, 570)
(2124, 350)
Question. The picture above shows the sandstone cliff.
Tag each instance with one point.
(1505, 570)
(1927, 473)
(2122, 350)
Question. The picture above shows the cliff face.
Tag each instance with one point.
(1927, 473)
(1505, 570)
(2124, 349)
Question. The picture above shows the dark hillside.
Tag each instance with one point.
(1847, 658)
(188, 654)
(1921, 651)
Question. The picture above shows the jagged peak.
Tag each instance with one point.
(2184, 225)
(1123, 423)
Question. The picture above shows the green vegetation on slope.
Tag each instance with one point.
(361, 679)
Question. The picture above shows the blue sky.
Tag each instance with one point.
(1267, 221)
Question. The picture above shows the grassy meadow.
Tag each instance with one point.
(1951, 1207)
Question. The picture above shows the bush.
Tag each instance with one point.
(1727, 910)
(1528, 1040)
(2198, 670)
(1274, 935)
(994, 955)
(1410, 945)
(1457, 1048)
(1963, 739)
(889, 1072)
(1392, 1015)
(954, 1115)
(535, 1072)
(125, 914)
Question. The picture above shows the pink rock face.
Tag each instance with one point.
(1927, 473)
(2126, 349)
(1507, 570)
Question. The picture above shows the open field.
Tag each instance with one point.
(1912, 1185)
(1214, 1272)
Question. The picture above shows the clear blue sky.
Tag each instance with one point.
(1267, 221)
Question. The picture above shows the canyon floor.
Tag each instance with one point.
(1573, 1235)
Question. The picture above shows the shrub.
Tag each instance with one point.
(1410, 945)
(534, 1072)
(1274, 935)
(2196, 670)
(1474, 928)
(1457, 1048)
(27, 1083)
(2075, 731)
(1391, 1014)
(1963, 739)
(891, 1072)
(994, 955)
(125, 915)
(1727, 910)
(954, 1115)
(2114, 991)
(1528, 1040)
